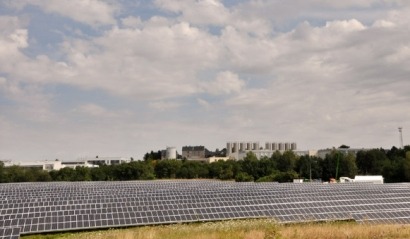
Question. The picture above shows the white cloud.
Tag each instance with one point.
(201, 12)
(164, 106)
(274, 71)
(12, 40)
(226, 82)
(157, 61)
(91, 12)
(132, 22)
(205, 104)
(93, 110)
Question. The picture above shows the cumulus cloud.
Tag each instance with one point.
(90, 12)
(164, 106)
(157, 61)
(93, 110)
(226, 82)
(256, 69)
(201, 12)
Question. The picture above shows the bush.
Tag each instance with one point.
(243, 177)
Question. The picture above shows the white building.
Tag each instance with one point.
(43, 164)
(75, 164)
(105, 160)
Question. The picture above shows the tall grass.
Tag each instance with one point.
(244, 229)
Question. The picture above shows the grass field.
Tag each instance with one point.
(246, 229)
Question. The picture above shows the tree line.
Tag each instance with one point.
(393, 164)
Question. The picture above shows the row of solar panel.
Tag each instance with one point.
(252, 205)
(72, 187)
(180, 195)
(402, 197)
(10, 233)
(135, 189)
(202, 214)
(196, 201)
(165, 193)
(390, 217)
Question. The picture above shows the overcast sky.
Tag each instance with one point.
(120, 78)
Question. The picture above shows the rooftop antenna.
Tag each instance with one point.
(401, 136)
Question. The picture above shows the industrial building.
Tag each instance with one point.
(238, 150)
(194, 152)
(47, 165)
(104, 160)
(75, 164)
(50, 165)
(323, 152)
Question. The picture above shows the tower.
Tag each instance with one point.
(401, 137)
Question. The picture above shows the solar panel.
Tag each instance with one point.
(63, 206)
(9, 233)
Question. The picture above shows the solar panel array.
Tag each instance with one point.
(28, 208)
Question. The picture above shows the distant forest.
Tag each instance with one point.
(393, 164)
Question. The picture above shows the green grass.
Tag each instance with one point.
(242, 229)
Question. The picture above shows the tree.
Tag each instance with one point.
(371, 162)
(250, 165)
(2, 173)
(266, 166)
(224, 170)
(329, 164)
(82, 174)
(309, 167)
(167, 168)
(338, 164)
(287, 161)
(278, 176)
(153, 155)
(16, 173)
(192, 169)
(348, 165)
(64, 174)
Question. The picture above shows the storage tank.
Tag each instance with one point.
(242, 146)
(255, 146)
(281, 146)
(228, 148)
(235, 147)
(171, 153)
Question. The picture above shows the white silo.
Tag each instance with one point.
(242, 146)
(235, 147)
(281, 146)
(255, 146)
(171, 153)
(228, 148)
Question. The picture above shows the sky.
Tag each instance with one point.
(81, 78)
